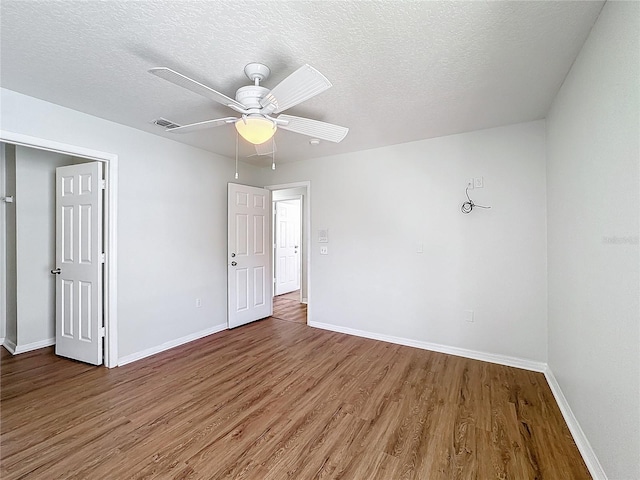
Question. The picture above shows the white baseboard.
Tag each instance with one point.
(35, 345)
(436, 347)
(588, 455)
(10, 346)
(18, 349)
(169, 345)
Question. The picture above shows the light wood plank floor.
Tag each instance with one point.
(280, 400)
(288, 307)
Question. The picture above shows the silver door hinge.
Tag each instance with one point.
(103, 332)
(103, 184)
(103, 258)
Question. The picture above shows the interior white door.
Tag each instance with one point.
(250, 289)
(79, 262)
(288, 245)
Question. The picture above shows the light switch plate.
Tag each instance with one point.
(323, 235)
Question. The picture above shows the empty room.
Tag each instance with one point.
(319, 240)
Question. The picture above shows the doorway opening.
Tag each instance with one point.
(291, 248)
(109, 162)
(287, 246)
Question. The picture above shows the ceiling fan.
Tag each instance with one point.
(257, 105)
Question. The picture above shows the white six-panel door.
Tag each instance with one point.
(79, 316)
(287, 239)
(250, 288)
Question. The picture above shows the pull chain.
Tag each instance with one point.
(273, 154)
(236, 155)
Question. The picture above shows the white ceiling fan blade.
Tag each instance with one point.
(196, 87)
(192, 127)
(266, 148)
(313, 128)
(301, 85)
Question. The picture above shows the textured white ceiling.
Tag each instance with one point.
(401, 71)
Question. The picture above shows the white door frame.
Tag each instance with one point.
(306, 224)
(3, 251)
(110, 161)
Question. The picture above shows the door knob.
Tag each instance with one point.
(56, 271)
(233, 264)
(233, 255)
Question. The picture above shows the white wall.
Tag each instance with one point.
(172, 215)
(593, 228)
(380, 204)
(35, 240)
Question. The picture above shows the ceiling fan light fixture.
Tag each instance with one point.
(255, 129)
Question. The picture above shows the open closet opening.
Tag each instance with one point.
(30, 300)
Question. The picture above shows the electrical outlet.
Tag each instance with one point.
(478, 182)
(198, 303)
(468, 316)
(324, 250)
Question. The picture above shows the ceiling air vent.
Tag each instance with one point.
(163, 122)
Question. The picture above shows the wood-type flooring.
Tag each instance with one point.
(281, 400)
(288, 307)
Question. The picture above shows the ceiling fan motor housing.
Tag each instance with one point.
(250, 95)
